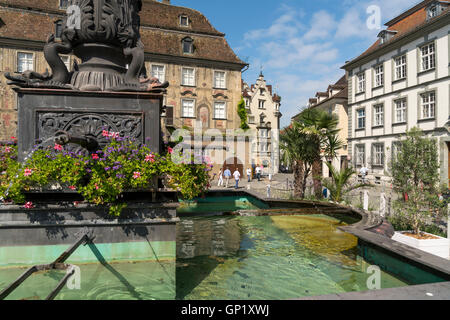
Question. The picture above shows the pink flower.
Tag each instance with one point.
(95, 156)
(170, 150)
(137, 175)
(58, 147)
(29, 205)
(27, 172)
(7, 149)
(13, 138)
(105, 133)
(150, 158)
(73, 188)
(97, 187)
(114, 135)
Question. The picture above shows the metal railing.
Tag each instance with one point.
(58, 264)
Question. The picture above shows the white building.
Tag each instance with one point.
(263, 109)
(402, 81)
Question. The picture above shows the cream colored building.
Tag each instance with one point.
(402, 81)
(263, 109)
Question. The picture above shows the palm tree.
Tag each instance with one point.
(292, 143)
(323, 132)
(339, 185)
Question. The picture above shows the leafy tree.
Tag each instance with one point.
(416, 178)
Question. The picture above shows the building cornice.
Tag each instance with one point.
(194, 61)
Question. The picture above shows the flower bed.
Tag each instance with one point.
(100, 177)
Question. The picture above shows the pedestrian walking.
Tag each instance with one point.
(237, 177)
(227, 175)
(249, 174)
(220, 178)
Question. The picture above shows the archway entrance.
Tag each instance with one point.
(233, 164)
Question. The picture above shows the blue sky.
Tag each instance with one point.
(300, 45)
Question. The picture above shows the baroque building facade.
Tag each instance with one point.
(264, 113)
(181, 46)
(402, 81)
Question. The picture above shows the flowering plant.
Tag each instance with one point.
(102, 176)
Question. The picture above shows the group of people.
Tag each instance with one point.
(226, 174)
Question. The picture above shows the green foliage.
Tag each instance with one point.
(304, 143)
(339, 184)
(242, 112)
(101, 178)
(415, 172)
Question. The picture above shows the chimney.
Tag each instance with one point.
(165, 1)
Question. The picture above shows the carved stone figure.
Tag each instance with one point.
(104, 34)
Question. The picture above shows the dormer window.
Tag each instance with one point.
(435, 8)
(184, 21)
(386, 35)
(188, 45)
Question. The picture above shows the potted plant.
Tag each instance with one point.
(415, 173)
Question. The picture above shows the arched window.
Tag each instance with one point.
(188, 45)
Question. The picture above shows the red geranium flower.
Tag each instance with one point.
(58, 147)
(95, 156)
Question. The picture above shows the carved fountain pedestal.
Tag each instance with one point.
(45, 112)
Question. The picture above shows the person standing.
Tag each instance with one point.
(258, 172)
(220, 178)
(237, 177)
(227, 175)
(249, 174)
(364, 170)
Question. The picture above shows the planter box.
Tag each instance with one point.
(439, 247)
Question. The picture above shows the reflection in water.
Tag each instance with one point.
(264, 258)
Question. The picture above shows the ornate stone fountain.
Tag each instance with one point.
(108, 90)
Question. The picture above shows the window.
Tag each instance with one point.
(159, 72)
(261, 91)
(247, 103)
(378, 112)
(187, 108)
(378, 154)
(428, 57)
(432, 11)
(264, 147)
(360, 155)
(188, 45)
(58, 29)
(66, 60)
(263, 133)
(428, 105)
(25, 62)
(219, 80)
(361, 82)
(63, 4)
(251, 120)
(184, 21)
(379, 76)
(400, 111)
(220, 110)
(188, 77)
(396, 148)
(361, 118)
(261, 104)
(400, 67)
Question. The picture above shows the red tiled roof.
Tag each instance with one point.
(405, 24)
